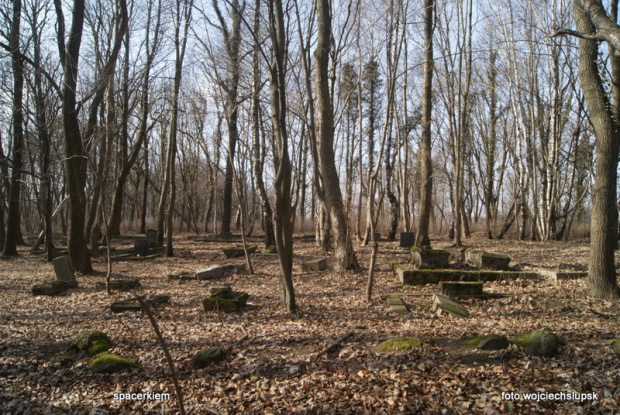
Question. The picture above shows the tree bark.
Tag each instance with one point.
(13, 233)
(602, 281)
(344, 255)
(426, 161)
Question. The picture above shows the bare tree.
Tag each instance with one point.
(13, 220)
(343, 249)
(593, 25)
(426, 161)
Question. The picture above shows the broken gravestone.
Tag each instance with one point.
(63, 268)
(140, 247)
(217, 271)
(407, 239)
(152, 238)
(65, 278)
(542, 343)
(397, 305)
(237, 251)
(461, 288)
(423, 258)
(225, 299)
(486, 260)
(441, 304)
(205, 357)
(313, 265)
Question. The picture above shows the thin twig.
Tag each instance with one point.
(163, 345)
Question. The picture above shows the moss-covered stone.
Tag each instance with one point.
(225, 300)
(615, 345)
(237, 251)
(489, 342)
(132, 305)
(55, 287)
(271, 250)
(543, 343)
(111, 363)
(434, 276)
(206, 357)
(401, 343)
(92, 342)
(522, 339)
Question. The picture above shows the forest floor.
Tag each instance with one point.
(282, 367)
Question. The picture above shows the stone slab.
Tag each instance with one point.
(211, 273)
(429, 258)
(426, 276)
(51, 288)
(140, 247)
(407, 239)
(561, 275)
(313, 265)
(152, 238)
(237, 252)
(64, 269)
(442, 304)
(486, 260)
(397, 305)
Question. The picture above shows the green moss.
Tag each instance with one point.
(110, 363)
(474, 341)
(522, 339)
(615, 345)
(92, 342)
(271, 250)
(401, 343)
(235, 301)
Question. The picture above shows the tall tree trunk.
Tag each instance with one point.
(282, 181)
(426, 161)
(602, 281)
(344, 254)
(13, 220)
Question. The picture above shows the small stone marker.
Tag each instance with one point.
(542, 343)
(205, 357)
(460, 288)
(319, 264)
(486, 260)
(140, 247)
(64, 270)
(225, 299)
(397, 305)
(237, 252)
(442, 303)
(152, 238)
(407, 239)
(211, 273)
(423, 258)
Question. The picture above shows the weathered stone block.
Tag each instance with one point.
(542, 343)
(206, 357)
(237, 252)
(211, 273)
(407, 239)
(434, 276)
(460, 288)
(63, 268)
(225, 300)
(131, 305)
(152, 238)
(441, 304)
(313, 265)
(486, 260)
(140, 247)
(51, 288)
(429, 258)
(111, 363)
